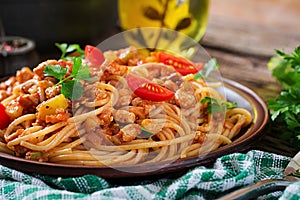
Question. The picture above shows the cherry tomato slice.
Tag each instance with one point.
(181, 65)
(93, 55)
(148, 90)
(4, 118)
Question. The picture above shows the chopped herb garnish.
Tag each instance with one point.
(145, 134)
(35, 155)
(210, 66)
(215, 106)
(78, 74)
(67, 49)
(56, 71)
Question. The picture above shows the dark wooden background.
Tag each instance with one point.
(242, 35)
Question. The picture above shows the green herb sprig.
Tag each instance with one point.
(209, 67)
(145, 134)
(285, 108)
(66, 49)
(68, 83)
(216, 106)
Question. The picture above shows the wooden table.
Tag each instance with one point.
(242, 36)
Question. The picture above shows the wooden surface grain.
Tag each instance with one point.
(254, 39)
(242, 36)
(250, 71)
(281, 15)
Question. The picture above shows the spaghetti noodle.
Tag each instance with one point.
(111, 123)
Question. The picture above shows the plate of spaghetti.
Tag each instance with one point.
(122, 113)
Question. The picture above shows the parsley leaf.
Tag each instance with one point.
(293, 58)
(145, 134)
(56, 71)
(77, 63)
(84, 74)
(285, 108)
(215, 106)
(68, 89)
(67, 49)
(210, 66)
(71, 86)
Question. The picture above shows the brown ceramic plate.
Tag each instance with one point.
(234, 91)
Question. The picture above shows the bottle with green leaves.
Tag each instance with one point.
(186, 16)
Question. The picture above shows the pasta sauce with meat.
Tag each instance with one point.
(137, 109)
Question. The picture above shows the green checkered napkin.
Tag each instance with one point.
(226, 174)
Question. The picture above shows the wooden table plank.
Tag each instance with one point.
(247, 70)
(282, 15)
(236, 36)
(255, 27)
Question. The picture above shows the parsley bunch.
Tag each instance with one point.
(74, 80)
(285, 108)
